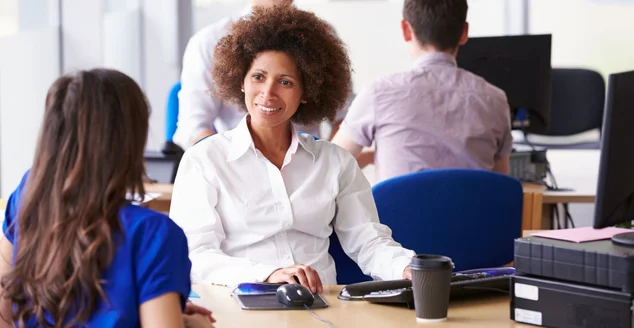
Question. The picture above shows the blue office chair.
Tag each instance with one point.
(171, 116)
(348, 272)
(472, 216)
(171, 119)
(162, 166)
(314, 137)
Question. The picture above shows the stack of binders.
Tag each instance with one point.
(564, 284)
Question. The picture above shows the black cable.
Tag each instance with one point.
(553, 187)
(530, 144)
(555, 215)
(566, 211)
(569, 216)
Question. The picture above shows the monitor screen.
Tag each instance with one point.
(614, 202)
(519, 65)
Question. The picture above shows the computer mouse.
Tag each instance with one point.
(294, 295)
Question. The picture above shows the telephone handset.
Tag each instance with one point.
(463, 283)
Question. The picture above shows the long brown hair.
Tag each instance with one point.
(89, 155)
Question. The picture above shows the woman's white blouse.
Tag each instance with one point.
(244, 218)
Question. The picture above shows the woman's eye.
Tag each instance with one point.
(258, 76)
(286, 83)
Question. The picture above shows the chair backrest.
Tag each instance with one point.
(348, 272)
(162, 166)
(172, 112)
(472, 216)
(578, 99)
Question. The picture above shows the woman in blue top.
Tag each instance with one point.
(75, 251)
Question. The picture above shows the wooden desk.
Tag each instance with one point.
(550, 199)
(489, 312)
(539, 204)
(532, 206)
(555, 197)
(483, 312)
(161, 203)
(531, 215)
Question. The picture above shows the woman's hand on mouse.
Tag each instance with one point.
(305, 275)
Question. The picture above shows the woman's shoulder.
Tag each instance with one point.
(211, 147)
(144, 222)
(12, 206)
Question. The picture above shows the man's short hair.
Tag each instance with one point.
(438, 23)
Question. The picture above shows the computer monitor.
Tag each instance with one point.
(614, 202)
(519, 65)
(162, 167)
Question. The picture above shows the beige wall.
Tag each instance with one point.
(595, 34)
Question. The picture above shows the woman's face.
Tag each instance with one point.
(272, 89)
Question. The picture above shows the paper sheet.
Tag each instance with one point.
(580, 235)
(148, 197)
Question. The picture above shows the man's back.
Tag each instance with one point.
(435, 115)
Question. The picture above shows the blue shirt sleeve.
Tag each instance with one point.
(162, 260)
(9, 218)
(11, 211)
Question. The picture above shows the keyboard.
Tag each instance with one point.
(463, 284)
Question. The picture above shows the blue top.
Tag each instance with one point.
(153, 260)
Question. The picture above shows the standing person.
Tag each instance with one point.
(202, 114)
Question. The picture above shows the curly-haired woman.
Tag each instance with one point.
(259, 202)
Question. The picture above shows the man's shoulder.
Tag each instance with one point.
(480, 84)
(379, 84)
(495, 92)
(396, 80)
(213, 32)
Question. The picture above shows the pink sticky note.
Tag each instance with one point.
(580, 235)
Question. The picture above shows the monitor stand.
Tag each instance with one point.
(624, 239)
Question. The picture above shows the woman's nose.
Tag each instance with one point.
(268, 92)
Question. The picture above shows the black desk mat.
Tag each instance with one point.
(269, 302)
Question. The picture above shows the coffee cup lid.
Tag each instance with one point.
(429, 261)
